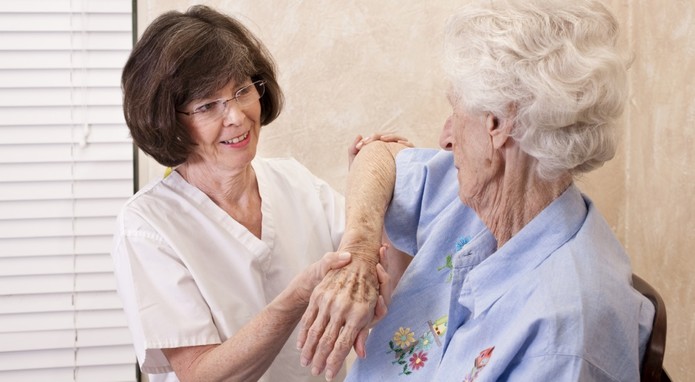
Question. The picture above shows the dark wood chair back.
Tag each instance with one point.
(652, 363)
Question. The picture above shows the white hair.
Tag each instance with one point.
(554, 63)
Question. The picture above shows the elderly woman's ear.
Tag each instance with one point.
(500, 129)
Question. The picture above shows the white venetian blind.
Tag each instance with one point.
(66, 167)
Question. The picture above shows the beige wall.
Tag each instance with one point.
(362, 66)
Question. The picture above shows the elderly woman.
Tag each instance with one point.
(208, 260)
(537, 289)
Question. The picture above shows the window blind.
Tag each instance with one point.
(66, 168)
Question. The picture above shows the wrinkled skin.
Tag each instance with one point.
(342, 307)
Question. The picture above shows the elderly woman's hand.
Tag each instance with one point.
(304, 284)
(342, 309)
(360, 142)
(341, 306)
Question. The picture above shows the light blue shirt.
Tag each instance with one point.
(553, 304)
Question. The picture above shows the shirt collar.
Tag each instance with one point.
(498, 271)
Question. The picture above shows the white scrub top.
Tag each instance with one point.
(189, 274)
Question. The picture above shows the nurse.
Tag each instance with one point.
(209, 260)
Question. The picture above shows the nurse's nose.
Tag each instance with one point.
(232, 114)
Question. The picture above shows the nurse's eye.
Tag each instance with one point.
(208, 107)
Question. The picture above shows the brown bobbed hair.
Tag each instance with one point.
(186, 56)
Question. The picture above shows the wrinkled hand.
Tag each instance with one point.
(341, 308)
(305, 283)
(359, 142)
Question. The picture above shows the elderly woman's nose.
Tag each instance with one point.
(446, 141)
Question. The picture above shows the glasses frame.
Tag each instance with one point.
(259, 86)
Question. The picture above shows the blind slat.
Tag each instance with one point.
(86, 189)
(47, 265)
(56, 227)
(29, 78)
(56, 302)
(57, 358)
(31, 41)
(32, 97)
(93, 152)
(16, 326)
(72, 63)
(42, 134)
(63, 339)
(14, 116)
(33, 284)
(123, 371)
(102, 373)
(63, 6)
(92, 22)
(60, 208)
(54, 246)
(34, 172)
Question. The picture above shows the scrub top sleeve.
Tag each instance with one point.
(403, 215)
(155, 284)
(334, 206)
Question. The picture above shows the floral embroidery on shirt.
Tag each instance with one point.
(480, 361)
(460, 242)
(410, 350)
(425, 341)
(448, 265)
(418, 360)
(403, 337)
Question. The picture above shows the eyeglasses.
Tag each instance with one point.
(212, 111)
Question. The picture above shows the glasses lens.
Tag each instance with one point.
(245, 96)
(210, 111)
(250, 93)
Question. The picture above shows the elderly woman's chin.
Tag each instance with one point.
(467, 192)
(470, 187)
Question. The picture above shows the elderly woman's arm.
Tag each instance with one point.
(342, 305)
(248, 354)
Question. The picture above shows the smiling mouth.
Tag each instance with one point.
(237, 139)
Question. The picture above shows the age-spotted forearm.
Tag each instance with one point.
(343, 304)
(369, 190)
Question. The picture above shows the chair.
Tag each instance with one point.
(652, 363)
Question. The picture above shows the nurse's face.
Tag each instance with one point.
(225, 126)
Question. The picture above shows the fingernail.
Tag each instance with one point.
(329, 375)
(344, 255)
(359, 145)
(304, 362)
(315, 371)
